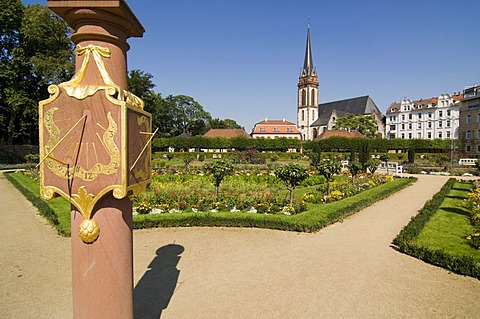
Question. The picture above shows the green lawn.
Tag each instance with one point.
(450, 225)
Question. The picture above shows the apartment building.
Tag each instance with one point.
(469, 124)
(433, 118)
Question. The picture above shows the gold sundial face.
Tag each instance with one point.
(81, 143)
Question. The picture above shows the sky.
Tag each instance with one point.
(241, 59)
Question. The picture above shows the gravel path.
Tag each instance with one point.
(345, 270)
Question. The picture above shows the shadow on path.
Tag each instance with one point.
(155, 289)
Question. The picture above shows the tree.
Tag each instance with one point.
(364, 154)
(365, 124)
(292, 175)
(354, 168)
(187, 115)
(217, 123)
(35, 52)
(328, 168)
(372, 165)
(218, 170)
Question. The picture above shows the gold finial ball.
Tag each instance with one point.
(88, 231)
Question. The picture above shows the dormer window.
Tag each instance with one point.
(262, 130)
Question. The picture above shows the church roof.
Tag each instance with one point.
(362, 105)
(226, 133)
(308, 68)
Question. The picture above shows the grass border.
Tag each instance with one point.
(463, 265)
(314, 219)
(43, 208)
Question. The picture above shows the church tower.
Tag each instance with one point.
(307, 98)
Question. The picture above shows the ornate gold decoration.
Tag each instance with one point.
(63, 170)
(88, 229)
(106, 134)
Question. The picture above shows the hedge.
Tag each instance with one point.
(314, 219)
(464, 265)
(332, 144)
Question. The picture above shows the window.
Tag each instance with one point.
(468, 134)
(392, 127)
(303, 115)
(478, 117)
(429, 135)
(439, 134)
(419, 115)
(409, 126)
(313, 114)
(468, 148)
(410, 116)
(469, 119)
(419, 135)
(409, 136)
(403, 117)
(276, 129)
(440, 113)
(447, 124)
(478, 148)
(312, 98)
(403, 126)
(403, 136)
(448, 134)
(439, 124)
(429, 125)
(289, 129)
(478, 134)
(449, 112)
(262, 130)
(419, 125)
(304, 97)
(429, 115)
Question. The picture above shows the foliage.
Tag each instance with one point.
(292, 175)
(217, 123)
(317, 217)
(372, 165)
(364, 155)
(365, 124)
(328, 168)
(354, 168)
(187, 115)
(406, 239)
(218, 170)
(56, 211)
(35, 52)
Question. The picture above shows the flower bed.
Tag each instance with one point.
(260, 192)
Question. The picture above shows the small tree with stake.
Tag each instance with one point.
(219, 170)
(327, 168)
(292, 175)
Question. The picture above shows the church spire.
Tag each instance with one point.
(308, 68)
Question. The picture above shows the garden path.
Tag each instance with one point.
(344, 270)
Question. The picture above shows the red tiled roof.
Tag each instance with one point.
(226, 133)
(275, 127)
(339, 133)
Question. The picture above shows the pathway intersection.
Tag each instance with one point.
(344, 270)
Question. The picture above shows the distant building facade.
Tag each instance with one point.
(314, 118)
(469, 124)
(275, 129)
(434, 118)
(307, 95)
(331, 111)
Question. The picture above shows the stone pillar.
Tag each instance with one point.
(103, 270)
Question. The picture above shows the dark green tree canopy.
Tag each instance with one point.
(35, 52)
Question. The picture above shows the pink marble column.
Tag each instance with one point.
(103, 271)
